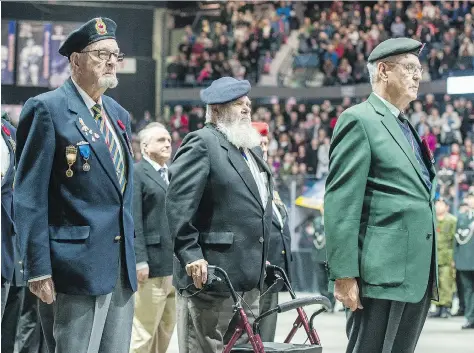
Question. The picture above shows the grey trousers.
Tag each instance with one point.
(206, 321)
(92, 324)
(386, 326)
(268, 324)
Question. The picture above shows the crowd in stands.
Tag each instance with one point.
(341, 36)
(300, 136)
(240, 43)
(336, 37)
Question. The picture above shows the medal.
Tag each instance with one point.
(71, 155)
(85, 152)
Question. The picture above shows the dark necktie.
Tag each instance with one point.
(113, 148)
(407, 131)
(163, 175)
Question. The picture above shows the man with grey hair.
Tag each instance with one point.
(73, 199)
(379, 211)
(219, 212)
(155, 308)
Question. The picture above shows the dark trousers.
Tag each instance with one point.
(386, 326)
(467, 278)
(323, 282)
(268, 324)
(460, 291)
(21, 332)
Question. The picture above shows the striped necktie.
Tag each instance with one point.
(117, 159)
(163, 173)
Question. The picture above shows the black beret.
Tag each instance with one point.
(92, 31)
(395, 46)
(224, 90)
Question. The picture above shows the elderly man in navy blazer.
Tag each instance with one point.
(73, 198)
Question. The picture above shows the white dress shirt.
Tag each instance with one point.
(261, 178)
(5, 157)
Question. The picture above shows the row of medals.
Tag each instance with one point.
(71, 157)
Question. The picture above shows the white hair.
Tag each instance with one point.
(146, 134)
(372, 68)
(208, 114)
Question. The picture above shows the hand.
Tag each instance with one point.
(142, 274)
(346, 291)
(43, 289)
(198, 271)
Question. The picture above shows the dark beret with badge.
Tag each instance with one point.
(99, 28)
(225, 90)
(395, 46)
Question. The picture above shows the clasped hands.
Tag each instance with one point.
(346, 290)
(43, 289)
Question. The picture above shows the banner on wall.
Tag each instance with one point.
(60, 70)
(33, 54)
(8, 51)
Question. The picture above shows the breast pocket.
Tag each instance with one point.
(384, 256)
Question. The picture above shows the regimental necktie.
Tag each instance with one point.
(117, 159)
(163, 173)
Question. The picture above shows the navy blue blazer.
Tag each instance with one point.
(8, 230)
(70, 226)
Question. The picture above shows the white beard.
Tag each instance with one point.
(108, 82)
(240, 133)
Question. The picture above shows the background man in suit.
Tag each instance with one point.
(73, 198)
(379, 211)
(10, 254)
(279, 249)
(464, 260)
(155, 306)
(219, 212)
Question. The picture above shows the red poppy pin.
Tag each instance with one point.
(6, 130)
(122, 126)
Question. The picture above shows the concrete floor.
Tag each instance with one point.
(438, 336)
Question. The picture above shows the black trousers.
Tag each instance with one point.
(386, 326)
(21, 331)
(323, 282)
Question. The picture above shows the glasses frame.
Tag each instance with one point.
(409, 68)
(108, 54)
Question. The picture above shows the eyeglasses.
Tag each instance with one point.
(409, 68)
(106, 55)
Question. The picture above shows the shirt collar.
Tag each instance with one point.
(393, 109)
(85, 97)
(154, 164)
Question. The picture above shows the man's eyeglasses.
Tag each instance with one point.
(409, 68)
(106, 55)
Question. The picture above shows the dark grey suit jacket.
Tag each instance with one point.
(279, 253)
(153, 242)
(215, 211)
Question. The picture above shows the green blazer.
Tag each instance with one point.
(379, 214)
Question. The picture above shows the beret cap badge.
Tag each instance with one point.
(100, 26)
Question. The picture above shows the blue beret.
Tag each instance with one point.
(92, 31)
(224, 90)
(395, 46)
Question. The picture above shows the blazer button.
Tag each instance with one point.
(117, 238)
(428, 235)
(260, 240)
(21, 263)
(283, 252)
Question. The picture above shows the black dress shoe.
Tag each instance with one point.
(469, 325)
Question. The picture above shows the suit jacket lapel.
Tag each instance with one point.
(239, 164)
(388, 120)
(85, 120)
(153, 174)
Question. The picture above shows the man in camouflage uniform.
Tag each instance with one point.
(446, 229)
(464, 258)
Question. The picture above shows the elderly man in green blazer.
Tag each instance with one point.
(380, 219)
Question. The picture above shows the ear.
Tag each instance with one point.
(74, 59)
(382, 71)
